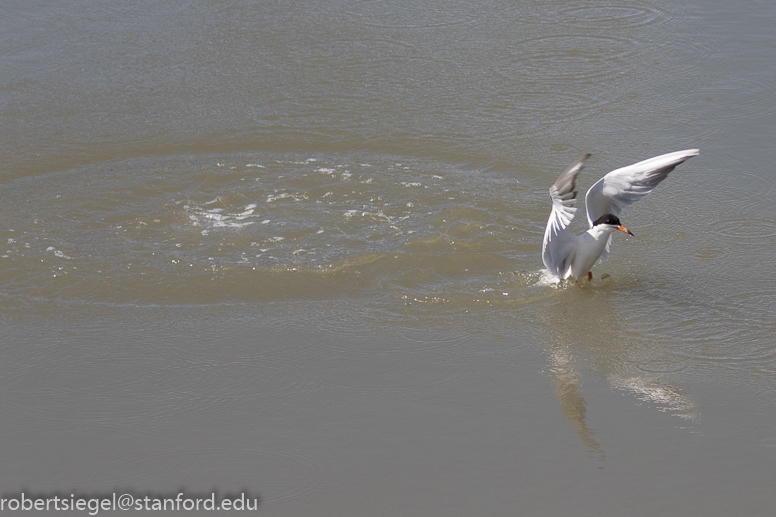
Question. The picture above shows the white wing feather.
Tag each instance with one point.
(559, 245)
(622, 187)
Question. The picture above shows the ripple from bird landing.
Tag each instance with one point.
(251, 227)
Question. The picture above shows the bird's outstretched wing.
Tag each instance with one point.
(622, 187)
(558, 247)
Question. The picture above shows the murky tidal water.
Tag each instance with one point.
(295, 248)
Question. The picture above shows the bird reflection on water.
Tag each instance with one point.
(587, 332)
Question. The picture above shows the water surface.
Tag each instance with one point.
(295, 248)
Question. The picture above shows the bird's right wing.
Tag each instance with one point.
(558, 246)
(624, 186)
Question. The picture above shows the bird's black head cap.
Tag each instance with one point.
(607, 219)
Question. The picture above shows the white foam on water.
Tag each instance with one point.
(58, 253)
(221, 217)
(546, 278)
(286, 195)
(282, 195)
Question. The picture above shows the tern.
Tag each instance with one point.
(568, 255)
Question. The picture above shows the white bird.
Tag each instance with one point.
(568, 255)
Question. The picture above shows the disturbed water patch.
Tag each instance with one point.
(255, 227)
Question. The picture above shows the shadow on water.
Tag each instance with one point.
(586, 331)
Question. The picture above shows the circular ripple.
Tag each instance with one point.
(574, 57)
(610, 17)
(544, 108)
(383, 14)
(742, 339)
(742, 230)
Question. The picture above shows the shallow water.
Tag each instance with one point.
(295, 248)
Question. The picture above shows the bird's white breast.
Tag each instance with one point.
(590, 246)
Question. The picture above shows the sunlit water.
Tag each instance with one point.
(295, 248)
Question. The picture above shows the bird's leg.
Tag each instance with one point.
(590, 276)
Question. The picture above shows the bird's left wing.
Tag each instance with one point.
(558, 246)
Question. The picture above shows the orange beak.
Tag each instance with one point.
(625, 230)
